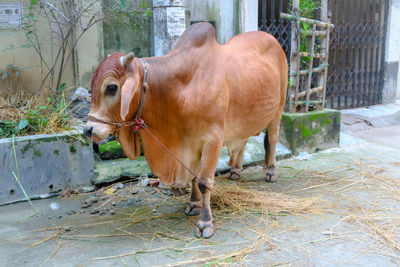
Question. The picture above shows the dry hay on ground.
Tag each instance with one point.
(234, 198)
(379, 223)
(380, 219)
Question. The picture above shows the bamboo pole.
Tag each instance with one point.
(307, 20)
(310, 33)
(296, 4)
(308, 54)
(322, 77)
(294, 58)
(312, 91)
(318, 69)
(310, 66)
(311, 102)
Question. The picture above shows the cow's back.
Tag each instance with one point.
(256, 73)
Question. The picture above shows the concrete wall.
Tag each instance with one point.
(169, 20)
(47, 163)
(229, 17)
(120, 39)
(392, 76)
(15, 49)
(90, 48)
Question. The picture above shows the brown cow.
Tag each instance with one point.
(200, 97)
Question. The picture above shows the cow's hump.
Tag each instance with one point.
(197, 35)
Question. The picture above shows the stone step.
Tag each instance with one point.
(109, 171)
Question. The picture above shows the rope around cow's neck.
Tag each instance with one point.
(138, 123)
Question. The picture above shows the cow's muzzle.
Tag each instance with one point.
(88, 131)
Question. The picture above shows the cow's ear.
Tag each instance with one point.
(127, 93)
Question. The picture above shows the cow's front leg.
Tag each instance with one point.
(194, 206)
(205, 226)
(209, 160)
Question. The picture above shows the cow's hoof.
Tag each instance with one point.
(204, 229)
(234, 174)
(192, 210)
(272, 175)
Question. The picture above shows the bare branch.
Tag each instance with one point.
(56, 9)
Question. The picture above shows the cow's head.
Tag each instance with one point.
(114, 84)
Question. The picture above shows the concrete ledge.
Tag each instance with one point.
(47, 163)
(110, 171)
(310, 132)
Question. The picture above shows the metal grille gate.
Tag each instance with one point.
(357, 47)
(269, 21)
(357, 53)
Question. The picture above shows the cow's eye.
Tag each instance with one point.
(111, 89)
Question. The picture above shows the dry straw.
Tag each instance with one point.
(234, 198)
(372, 219)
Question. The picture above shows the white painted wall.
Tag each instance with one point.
(248, 15)
(225, 17)
(221, 12)
(393, 38)
(225, 13)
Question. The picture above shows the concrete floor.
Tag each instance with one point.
(358, 223)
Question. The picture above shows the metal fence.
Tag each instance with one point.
(269, 21)
(357, 48)
(357, 53)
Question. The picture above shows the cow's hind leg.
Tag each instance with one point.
(236, 152)
(270, 140)
(194, 207)
(209, 160)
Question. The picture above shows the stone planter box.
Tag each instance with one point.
(47, 163)
(310, 132)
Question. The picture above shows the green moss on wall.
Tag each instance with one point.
(26, 147)
(73, 149)
(110, 146)
(37, 153)
(111, 150)
(310, 131)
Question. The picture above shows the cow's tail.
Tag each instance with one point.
(266, 145)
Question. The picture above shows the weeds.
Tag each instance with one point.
(41, 116)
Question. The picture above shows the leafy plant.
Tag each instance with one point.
(129, 15)
(307, 9)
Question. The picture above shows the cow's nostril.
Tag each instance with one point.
(88, 131)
